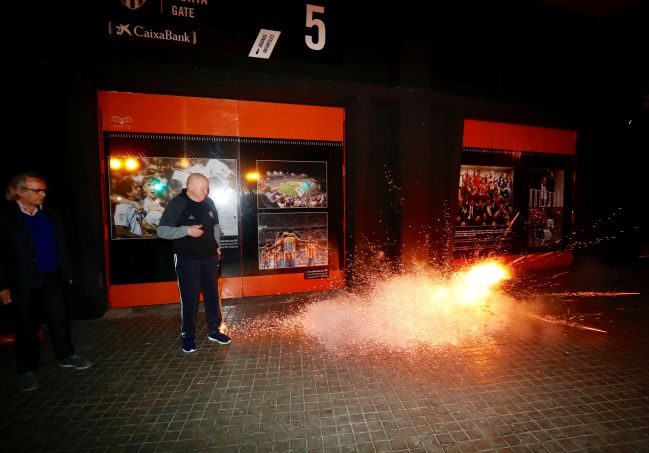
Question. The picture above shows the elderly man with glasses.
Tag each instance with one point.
(34, 268)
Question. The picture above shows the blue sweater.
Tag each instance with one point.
(42, 230)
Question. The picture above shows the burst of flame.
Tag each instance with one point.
(486, 274)
(418, 308)
(475, 284)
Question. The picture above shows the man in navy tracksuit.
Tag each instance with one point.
(191, 221)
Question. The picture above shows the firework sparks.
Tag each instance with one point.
(593, 294)
(420, 308)
(563, 322)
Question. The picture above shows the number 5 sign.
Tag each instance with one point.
(318, 25)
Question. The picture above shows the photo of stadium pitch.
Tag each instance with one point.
(291, 184)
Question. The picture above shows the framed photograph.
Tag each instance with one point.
(292, 240)
(140, 188)
(485, 211)
(546, 198)
(285, 184)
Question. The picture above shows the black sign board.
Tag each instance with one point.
(288, 29)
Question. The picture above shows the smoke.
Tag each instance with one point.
(426, 308)
(421, 308)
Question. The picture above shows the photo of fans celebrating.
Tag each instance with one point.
(291, 184)
(292, 240)
(141, 187)
(485, 196)
(485, 212)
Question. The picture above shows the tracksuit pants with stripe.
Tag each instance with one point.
(196, 275)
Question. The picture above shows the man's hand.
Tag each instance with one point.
(195, 231)
(5, 296)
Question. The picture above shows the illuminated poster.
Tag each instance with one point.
(156, 141)
(485, 212)
(292, 240)
(291, 184)
(545, 226)
(141, 187)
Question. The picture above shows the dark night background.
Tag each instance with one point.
(567, 64)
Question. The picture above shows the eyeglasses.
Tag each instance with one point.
(35, 190)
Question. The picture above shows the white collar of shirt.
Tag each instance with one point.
(25, 210)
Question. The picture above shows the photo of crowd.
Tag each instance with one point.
(291, 184)
(141, 187)
(485, 196)
(292, 240)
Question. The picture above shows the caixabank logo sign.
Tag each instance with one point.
(153, 21)
(149, 32)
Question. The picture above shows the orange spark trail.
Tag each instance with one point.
(592, 294)
(564, 323)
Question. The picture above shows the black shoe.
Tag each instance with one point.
(75, 361)
(189, 345)
(219, 337)
(28, 381)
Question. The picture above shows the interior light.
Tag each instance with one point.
(115, 163)
(252, 176)
(131, 164)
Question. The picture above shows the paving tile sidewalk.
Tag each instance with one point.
(532, 386)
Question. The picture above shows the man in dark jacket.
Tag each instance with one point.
(34, 266)
(191, 221)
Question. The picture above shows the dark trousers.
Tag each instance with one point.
(196, 275)
(46, 302)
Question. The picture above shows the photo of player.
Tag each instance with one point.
(141, 187)
(545, 223)
(292, 240)
(291, 184)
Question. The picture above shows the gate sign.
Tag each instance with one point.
(309, 29)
